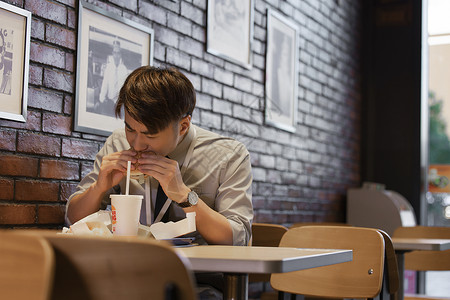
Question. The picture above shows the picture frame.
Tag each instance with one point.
(109, 49)
(15, 32)
(229, 33)
(281, 86)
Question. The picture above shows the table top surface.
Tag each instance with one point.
(410, 244)
(241, 259)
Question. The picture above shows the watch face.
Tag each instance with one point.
(192, 198)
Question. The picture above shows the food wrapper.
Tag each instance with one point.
(170, 230)
(91, 228)
(98, 223)
(144, 231)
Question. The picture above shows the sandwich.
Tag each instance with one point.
(135, 174)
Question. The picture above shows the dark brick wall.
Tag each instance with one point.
(301, 176)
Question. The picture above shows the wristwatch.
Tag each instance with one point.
(192, 199)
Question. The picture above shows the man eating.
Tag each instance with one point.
(184, 168)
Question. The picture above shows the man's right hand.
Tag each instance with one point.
(114, 168)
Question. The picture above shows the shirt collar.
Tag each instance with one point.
(179, 154)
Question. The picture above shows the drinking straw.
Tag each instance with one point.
(127, 189)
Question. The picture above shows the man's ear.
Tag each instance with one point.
(184, 124)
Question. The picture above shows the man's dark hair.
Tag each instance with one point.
(156, 97)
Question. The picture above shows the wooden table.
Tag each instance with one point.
(403, 245)
(236, 262)
(410, 244)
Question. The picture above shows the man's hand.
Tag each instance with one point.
(167, 172)
(114, 168)
(213, 226)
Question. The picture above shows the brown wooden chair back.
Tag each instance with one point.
(300, 224)
(390, 264)
(112, 268)
(425, 260)
(360, 278)
(268, 235)
(26, 267)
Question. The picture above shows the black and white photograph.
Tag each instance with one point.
(230, 30)
(281, 72)
(14, 61)
(110, 60)
(110, 48)
(6, 57)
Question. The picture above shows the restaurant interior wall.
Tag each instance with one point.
(299, 176)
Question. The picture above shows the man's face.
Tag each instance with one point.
(163, 142)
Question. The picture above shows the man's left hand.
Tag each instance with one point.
(167, 172)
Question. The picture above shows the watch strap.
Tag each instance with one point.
(184, 204)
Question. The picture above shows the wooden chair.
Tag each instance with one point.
(26, 267)
(425, 260)
(268, 235)
(300, 224)
(360, 278)
(390, 266)
(114, 268)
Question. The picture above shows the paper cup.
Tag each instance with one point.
(125, 213)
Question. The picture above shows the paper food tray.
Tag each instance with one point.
(170, 230)
(99, 223)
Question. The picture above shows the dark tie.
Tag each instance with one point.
(160, 200)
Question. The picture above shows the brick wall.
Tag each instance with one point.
(301, 176)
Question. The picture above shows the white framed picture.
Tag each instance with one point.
(281, 72)
(230, 30)
(15, 30)
(109, 49)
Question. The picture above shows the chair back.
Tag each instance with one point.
(300, 224)
(26, 267)
(390, 264)
(425, 260)
(360, 278)
(268, 235)
(113, 268)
